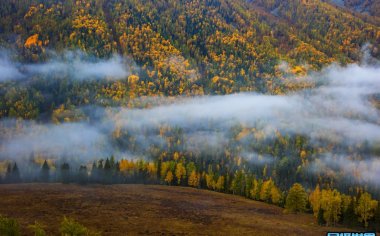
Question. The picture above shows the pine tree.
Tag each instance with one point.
(94, 172)
(82, 175)
(117, 166)
(377, 218)
(159, 169)
(45, 175)
(107, 177)
(8, 174)
(112, 162)
(107, 165)
(349, 217)
(296, 199)
(12, 175)
(320, 218)
(65, 173)
(100, 164)
(15, 174)
(94, 165)
(99, 173)
(116, 176)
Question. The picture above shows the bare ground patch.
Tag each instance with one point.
(150, 210)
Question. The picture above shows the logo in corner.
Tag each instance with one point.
(351, 234)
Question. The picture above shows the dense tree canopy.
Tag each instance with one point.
(184, 48)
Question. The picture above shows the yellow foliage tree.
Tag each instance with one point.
(366, 208)
(193, 180)
(331, 204)
(126, 166)
(255, 191)
(210, 182)
(265, 190)
(169, 177)
(180, 172)
(219, 186)
(275, 195)
(33, 41)
(152, 169)
(164, 169)
(315, 200)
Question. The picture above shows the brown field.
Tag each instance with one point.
(150, 210)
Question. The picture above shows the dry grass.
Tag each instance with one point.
(150, 210)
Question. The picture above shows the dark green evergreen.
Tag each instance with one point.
(45, 172)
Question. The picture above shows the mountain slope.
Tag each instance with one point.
(179, 47)
(205, 32)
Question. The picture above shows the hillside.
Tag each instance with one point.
(150, 210)
(172, 48)
(275, 101)
(239, 42)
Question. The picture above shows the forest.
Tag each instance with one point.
(276, 101)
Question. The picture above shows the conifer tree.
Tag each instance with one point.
(107, 165)
(82, 175)
(296, 199)
(65, 173)
(349, 217)
(12, 174)
(100, 164)
(116, 175)
(45, 172)
(159, 169)
(377, 218)
(107, 173)
(8, 174)
(320, 219)
(112, 162)
(94, 172)
(16, 174)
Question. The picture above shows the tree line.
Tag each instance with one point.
(329, 206)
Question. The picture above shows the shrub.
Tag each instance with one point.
(38, 229)
(70, 227)
(9, 227)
